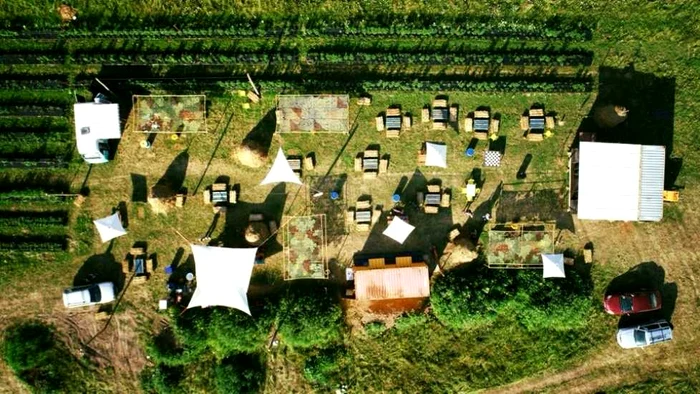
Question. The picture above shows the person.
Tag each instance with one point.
(469, 213)
(486, 217)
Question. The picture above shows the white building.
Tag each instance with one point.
(619, 181)
(95, 123)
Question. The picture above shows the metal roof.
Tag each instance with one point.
(392, 283)
(652, 183)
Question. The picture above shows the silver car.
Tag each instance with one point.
(77, 296)
(644, 334)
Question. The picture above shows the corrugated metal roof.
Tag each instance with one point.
(652, 183)
(392, 283)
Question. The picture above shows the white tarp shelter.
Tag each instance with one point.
(398, 230)
(95, 123)
(281, 171)
(620, 181)
(109, 227)
(223, 276)
(435, 155)
(553, 266)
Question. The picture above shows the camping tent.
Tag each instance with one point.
(435, 155)
(223, 276)
(553, 266)
(398, 230)
(95, 123)
(281, 171)
(109, 227)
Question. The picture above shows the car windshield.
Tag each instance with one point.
(640, 337)
(626, 303)
(95, 295)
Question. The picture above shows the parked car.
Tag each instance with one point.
(88, 295)
(628, 303)
(644, 334)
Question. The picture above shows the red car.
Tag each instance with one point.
(628, 303)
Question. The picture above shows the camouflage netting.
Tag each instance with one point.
(308, 113)
(519, 247)
(304, 248)
(170, 114)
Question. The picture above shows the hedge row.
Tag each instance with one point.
(32, 244)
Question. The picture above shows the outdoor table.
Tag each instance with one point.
(432, 199)
(481, 124)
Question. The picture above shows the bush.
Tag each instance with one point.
(478, 295)
(324, 368)
(375, 328)
(162, 379)
(239, 374)
(33, 352)
(310, 317)
(410, 320)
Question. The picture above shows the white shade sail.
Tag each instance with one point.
(553, 266)
(398, 230)
(281, 171)
(223, 276)
(109, 227)
(435, 155)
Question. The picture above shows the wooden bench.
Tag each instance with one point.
(364, 101)
(432, 209)
(309, 163)
(433, 188)
(358, 163)
(453, 114)
(393, 112)
(468, 124)
(454, 234)
(419, 198)
(379, 123)
(536, 112)
(524, 123)
(406, 123)
(363, 204)
(495, 124)
(534, 136)
(445, 200)
(549, 122)
(383, 166)
(439, 125)
(425, 115)
(439, 103)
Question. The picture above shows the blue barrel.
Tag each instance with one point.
(469, 152)
(396, 198)
(335, 195)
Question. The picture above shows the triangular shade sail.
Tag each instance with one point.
(435, 155)
(398, 230)
(553, 266)
(109, 227)
(223, 276)
(281, 171)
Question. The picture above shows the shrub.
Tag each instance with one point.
(162, 379)
(410, 320)
(375, 328)
(310, 317)
(33, 352)
(478, 295)
(239, 374)
(324, 368)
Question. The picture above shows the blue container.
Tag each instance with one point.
(169, 269)
(335, 195)
(396, 198)
(469, 152)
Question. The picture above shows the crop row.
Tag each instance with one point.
(21, 95)
(484, 58)
(33, 124)
(32, 243)
(33, 163)
(420, 26)
(31, 110)
(33, 219)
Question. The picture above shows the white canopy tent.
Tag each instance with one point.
(553, 266)
(95, 122)
(398, 230)
(109, 227)
(223, 276)
(435, 155)
(281, 171)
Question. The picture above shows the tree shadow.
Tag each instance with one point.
(259, 138)
(474, 225)
(650, 100)
(100, 268)
(522, 171)
(171, 182)
(139, 191)
(123, 213)
(237, 220)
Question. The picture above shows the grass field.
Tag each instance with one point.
(645, 52)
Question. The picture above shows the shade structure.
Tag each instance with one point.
(553, 266)
(392, 283)
(435, 155)
(398, 230)
(109, 227)
(281, 171)
(223, 276)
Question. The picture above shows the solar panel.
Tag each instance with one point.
(537, 123)
(481, 124)
(393, 122)
(439, 113)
